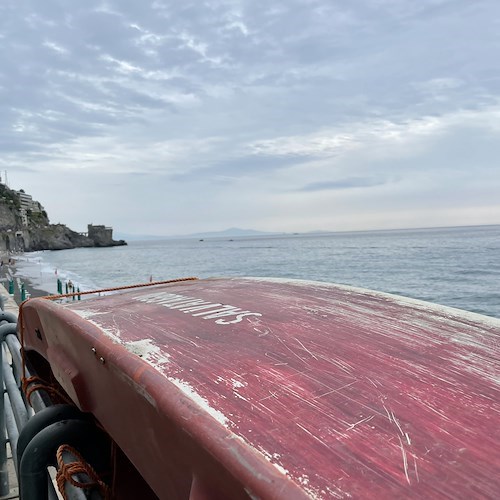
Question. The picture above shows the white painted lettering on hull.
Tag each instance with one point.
(223, 314)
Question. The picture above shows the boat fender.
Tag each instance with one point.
(40, 453)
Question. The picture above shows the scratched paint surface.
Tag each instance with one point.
(347, 392)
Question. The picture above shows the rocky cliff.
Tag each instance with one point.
(25, 227)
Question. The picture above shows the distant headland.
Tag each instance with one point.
(25, 227)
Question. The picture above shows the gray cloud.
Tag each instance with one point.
(285, 103)
(347, 183)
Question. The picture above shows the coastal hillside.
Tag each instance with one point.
(25, 227)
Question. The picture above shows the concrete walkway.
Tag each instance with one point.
(10, 304)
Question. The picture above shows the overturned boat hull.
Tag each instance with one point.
(248, 387)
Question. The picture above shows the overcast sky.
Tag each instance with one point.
(170, 117)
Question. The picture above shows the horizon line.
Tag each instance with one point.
(292, 233)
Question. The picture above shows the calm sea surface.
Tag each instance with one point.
(458, 267)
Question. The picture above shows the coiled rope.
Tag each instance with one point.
(67, 471)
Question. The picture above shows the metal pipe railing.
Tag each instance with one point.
(16, 416)
(39, 399)
(12, 429)
(41, 450)
(16, 400)
(39, 422)
(15, 352)
(7, 327)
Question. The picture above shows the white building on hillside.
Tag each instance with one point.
(27, 204)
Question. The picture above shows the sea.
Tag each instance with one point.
(457, 267)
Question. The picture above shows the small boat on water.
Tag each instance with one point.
(278, 389)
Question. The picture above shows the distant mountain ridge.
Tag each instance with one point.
(233, 232)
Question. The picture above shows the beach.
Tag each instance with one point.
(8, 273)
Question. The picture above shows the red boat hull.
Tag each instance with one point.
(229, 388)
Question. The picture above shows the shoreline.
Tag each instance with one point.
(19, 269)
(9, 271)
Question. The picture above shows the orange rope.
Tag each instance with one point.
(66, 471)
(114, 289)
(42, 385)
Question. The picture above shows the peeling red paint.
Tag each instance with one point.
(292, 386)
